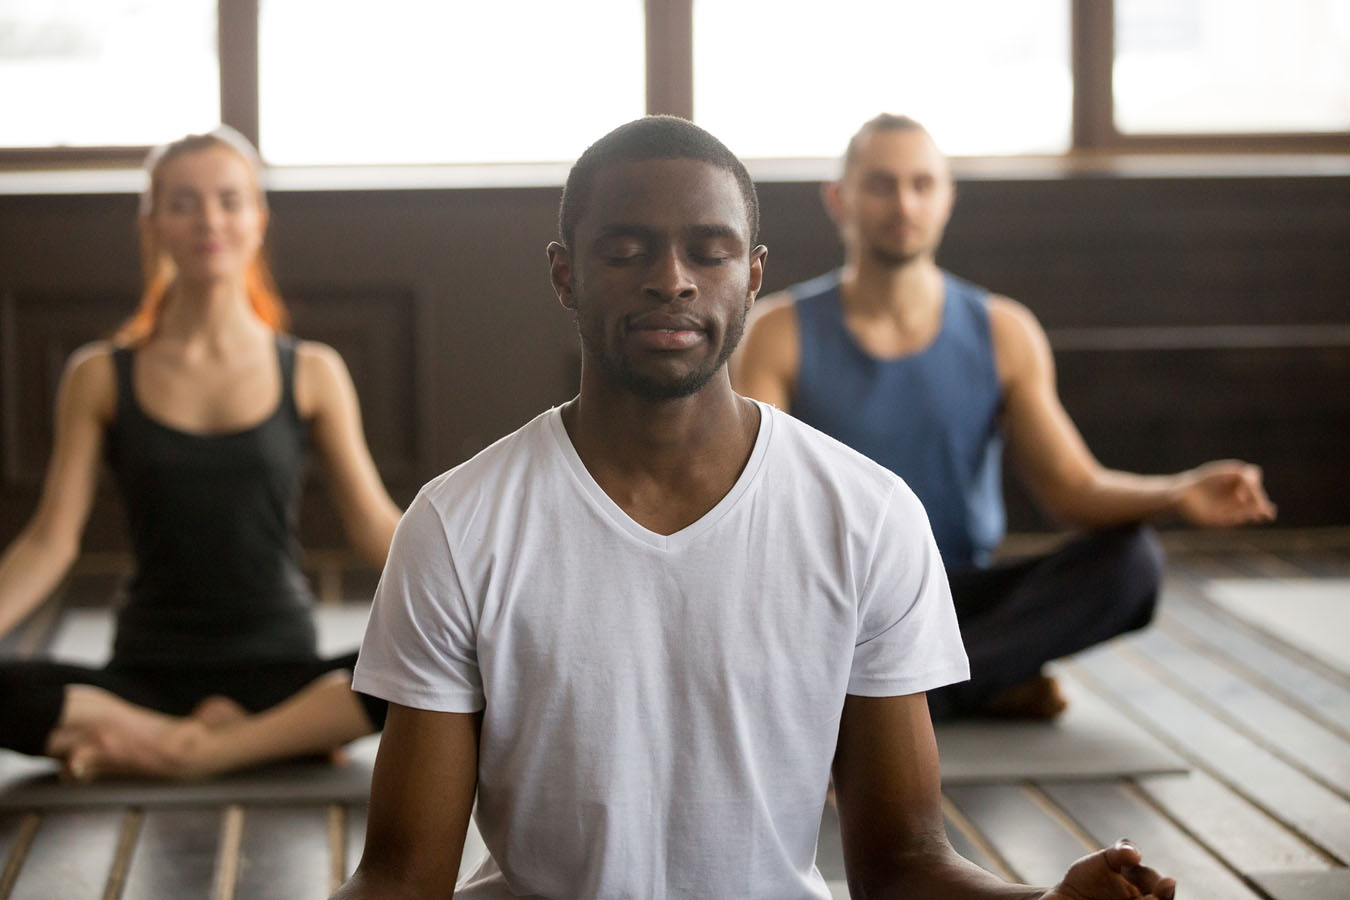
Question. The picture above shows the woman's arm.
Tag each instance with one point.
(34, 564)
(324, 393)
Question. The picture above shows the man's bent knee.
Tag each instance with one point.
(1139, 560)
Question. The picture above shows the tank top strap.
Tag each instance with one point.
(286, 345)
(123, 358)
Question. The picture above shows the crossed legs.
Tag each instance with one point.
(102, 722)
(1017, 616)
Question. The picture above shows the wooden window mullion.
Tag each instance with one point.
(670, 57)
(237, 41)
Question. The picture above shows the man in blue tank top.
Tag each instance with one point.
(930, 375)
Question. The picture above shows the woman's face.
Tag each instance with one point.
(208, 215)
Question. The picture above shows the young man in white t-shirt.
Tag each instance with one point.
(647, 627)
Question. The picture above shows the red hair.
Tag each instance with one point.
(156, 267)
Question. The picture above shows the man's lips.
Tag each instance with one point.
(666, 332)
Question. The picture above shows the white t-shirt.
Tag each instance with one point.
(659, 711)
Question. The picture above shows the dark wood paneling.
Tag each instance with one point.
(440, 302)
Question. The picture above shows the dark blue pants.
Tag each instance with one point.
(1019, 615)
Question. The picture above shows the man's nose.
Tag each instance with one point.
(669, 278)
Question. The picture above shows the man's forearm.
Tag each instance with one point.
(1109, 498)
(937, 873)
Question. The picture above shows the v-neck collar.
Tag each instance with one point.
(748, 478)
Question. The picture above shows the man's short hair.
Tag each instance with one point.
(649, 138)
(882, 122)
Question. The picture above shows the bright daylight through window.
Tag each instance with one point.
(404, 81)
(89, 73)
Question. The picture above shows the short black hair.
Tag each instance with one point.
(882, 122)
(648, 138)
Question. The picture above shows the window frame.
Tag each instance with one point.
(670, 90)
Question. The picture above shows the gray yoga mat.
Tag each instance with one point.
(1090, 740)
(1312, 614)
(84, 636)
(27, 783)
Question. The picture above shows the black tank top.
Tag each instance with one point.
(213, 526)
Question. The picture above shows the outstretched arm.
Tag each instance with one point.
(421, 795)
(765, 365)
(890, 814)
(34, 564)
(325, 393)
(1066, 478)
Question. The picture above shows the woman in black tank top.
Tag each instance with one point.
(203, 409)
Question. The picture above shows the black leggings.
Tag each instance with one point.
(1017, 616)
(32, 692)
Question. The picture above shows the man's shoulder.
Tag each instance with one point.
(838, 477)
(829, 459)
(814, 288)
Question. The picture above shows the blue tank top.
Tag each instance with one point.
(930, 417)
(213, 526)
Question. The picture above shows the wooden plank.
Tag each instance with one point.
(1037, 842)
(175, 856)
(284, 854)
(11, 826)
(71, 857)
(1262, 717)
(16, 835)
(1332, 885)
(967, 840)
(337, 846)
(1309, 687)
(1230, 826)
(1283, 791)
(1108, 812)
(356, 835)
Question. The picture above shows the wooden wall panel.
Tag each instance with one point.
(440, 302)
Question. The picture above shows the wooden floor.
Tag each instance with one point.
(1263, 813)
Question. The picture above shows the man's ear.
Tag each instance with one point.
(560, 273)
(831, 195)
(757, 258)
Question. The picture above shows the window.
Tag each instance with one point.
(406, 81)
(90, 73)
(798, 83)
(341, 82)
(1224, 67)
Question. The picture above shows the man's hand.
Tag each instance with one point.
(1224, 493)
(1115, 873)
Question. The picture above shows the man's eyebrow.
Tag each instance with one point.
(627, 229)
(713, 232)
(647, 233)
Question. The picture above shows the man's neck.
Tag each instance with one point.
(893, 309)
(665, 463)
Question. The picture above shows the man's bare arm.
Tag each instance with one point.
(890, 807)
(765, 365)
(890, 814)
(421, 796)
(1072, 486)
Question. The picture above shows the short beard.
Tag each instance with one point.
(891, 259)
(651, 389)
